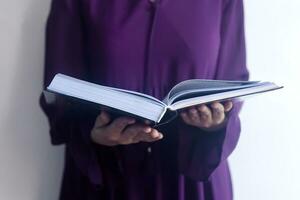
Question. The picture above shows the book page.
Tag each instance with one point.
(200, 87)
(140, 94)
(127, 101)
(225, 95)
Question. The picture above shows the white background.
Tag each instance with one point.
(265, 165)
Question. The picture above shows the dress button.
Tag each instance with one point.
(149, 150)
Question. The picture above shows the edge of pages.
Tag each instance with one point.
(220, 97)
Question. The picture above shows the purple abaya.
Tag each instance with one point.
(147, 46)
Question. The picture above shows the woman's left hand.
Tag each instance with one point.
(209, 118)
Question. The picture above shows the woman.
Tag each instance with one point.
(147, 46)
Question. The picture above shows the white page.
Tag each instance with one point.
(224, 95)
(128, 102)
(202, 85)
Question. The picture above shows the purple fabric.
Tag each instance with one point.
(147, 47)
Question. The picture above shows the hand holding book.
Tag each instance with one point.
(184, 95)
(196, 100)
(208, 117)
(122, 130)
(125, 130)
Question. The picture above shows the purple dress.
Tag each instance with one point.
(147, 46)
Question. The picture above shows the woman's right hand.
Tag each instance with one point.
(122, 130)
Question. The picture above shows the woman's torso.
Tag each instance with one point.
(149, 46)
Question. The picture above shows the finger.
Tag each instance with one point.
(194, 115)
(137, 138)
(119, 124)
(218, 114)
(130, 134)
(153, 136)
(205, 116)
(185, 117)
(228, 105)
(141, 137)
(102, 119)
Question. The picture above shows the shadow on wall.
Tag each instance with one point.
(35, 163)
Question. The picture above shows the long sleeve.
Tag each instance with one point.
(65, 54)
(200, 152)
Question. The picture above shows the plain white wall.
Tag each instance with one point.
(30, 168)
(265, 164)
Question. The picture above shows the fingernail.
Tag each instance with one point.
(161, 136)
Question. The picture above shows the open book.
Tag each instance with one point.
(184, 94)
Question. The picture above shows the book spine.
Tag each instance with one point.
(167, 117)
(162, 114)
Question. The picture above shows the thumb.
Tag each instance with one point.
(102, 119)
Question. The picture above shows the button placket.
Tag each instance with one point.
(154, 9)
